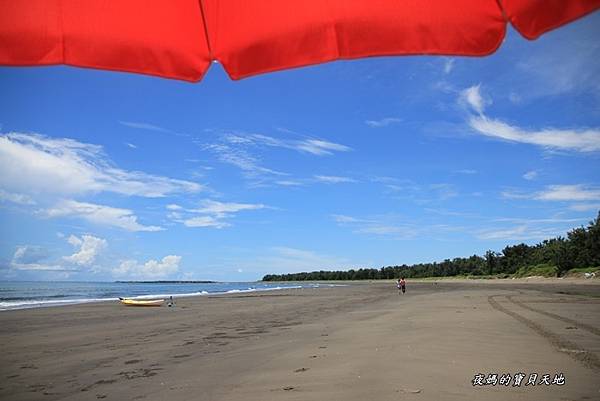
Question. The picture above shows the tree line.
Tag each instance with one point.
(551, 257)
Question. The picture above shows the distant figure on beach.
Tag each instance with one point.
(401, 284)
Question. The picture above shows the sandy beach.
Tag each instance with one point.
(359, 342)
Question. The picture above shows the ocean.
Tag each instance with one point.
(36, 294)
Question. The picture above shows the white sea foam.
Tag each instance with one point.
(28, 304)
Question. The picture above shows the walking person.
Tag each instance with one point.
(401, 285)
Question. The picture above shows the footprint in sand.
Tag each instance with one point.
(132, 361)
(289, 388)
(323, 347)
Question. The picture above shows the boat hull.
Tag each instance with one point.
(142, 302)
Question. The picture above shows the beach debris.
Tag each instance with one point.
(573, 351)
(411, 391)
(289, 388)
(301, 370)
(590, 275)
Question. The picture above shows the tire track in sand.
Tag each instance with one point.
(583, 326)
(561, 344)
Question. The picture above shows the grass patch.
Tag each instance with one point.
(543, 270)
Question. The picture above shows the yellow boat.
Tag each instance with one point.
(141, 302)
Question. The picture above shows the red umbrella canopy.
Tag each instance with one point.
(179, 38)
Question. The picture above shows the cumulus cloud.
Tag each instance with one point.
(68, 167)
(152, 269)
(88, 249)
(30, 257)
(28, 254)
(98, 214)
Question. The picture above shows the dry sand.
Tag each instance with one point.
(360, 342)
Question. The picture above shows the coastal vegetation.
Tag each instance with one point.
(577, 253)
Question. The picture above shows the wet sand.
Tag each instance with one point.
(360, 342)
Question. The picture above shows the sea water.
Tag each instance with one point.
(35, 294)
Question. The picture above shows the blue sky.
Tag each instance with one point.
(362, 163)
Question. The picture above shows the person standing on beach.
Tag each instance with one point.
(401, 285)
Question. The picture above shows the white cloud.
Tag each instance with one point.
(341, 218)
(444, 191)
(384, 122)
(332, 179)
(472, 97)
(145, 126)
(241, 159)
(559, 193)
(28, 254)
(577, 192)
(290, 183)
(582, 140)
(286, 259)
(317, 147)
(99, 214)
(89, 248)
(28, 257)
(585, 207)
(530, 175)
(151, 127)
(206, 221)
(520, 233)
(151, 269)
(20, 199)
(35, 164)
(173, 206)
(221, 208)
(448, 65)
(466, 171)
(213, 213)
(565, 64)
(396, 227)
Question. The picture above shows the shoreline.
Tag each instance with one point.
(34, 304)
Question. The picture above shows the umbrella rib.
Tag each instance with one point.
(210, 53)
